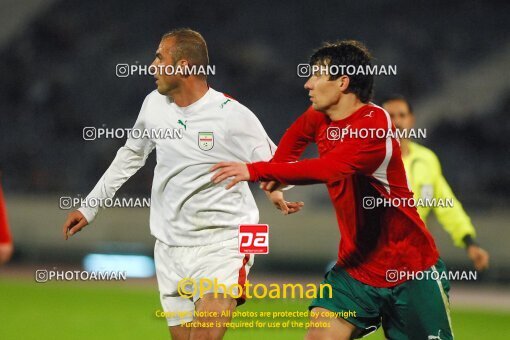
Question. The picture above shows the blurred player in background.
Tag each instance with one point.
(377, 242)
(195, 222)
(6, 246)
(427, 181)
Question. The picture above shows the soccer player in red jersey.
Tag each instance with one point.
(384, 243)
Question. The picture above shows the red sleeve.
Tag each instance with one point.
(5, 235)
(361, 155)
(298, 136)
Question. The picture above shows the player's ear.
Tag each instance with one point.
(183, 66)
(182, 63)
(343, 83)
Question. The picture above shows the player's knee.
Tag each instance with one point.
(329, 328)
(206, 334)
(314, 334)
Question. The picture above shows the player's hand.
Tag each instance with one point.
(271, 186)
(6, 250)
(479, 256)
(230, 169)
(74, 223)
(276, 197)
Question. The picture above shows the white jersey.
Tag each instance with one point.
(187, 209)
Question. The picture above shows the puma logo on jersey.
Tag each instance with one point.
(225, 102)
(369, 114)
(183, 124)
(435, 337)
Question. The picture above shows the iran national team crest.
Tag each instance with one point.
(205, 140)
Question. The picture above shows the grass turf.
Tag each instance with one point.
(91, 310)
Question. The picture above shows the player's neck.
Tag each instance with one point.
(404, 147)
(189, 92)
(345, 107)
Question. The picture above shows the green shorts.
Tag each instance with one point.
(415, 309)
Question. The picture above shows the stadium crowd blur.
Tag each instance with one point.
(58, 76)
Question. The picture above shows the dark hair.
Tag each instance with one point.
(190, 45)
(348, 52)
(399, 97)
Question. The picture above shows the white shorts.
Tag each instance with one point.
(220, 261)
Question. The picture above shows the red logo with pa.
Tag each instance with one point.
(253, 238)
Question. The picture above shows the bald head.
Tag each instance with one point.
(189, 45)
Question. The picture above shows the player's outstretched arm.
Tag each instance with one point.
(309, 171)
(240, 173)
(129, 159)
(74, 223)
(363, 156)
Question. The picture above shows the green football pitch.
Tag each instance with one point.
(70, 310)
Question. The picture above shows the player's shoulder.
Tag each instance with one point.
(230, 107)
(226, 102)
(373, 116)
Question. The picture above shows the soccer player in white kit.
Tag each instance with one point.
(194, 221)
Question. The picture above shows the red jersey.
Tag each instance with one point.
(5, 235)
(360, 162)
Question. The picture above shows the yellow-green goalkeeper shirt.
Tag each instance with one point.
(427, 182)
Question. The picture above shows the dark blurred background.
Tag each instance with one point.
(58, 63)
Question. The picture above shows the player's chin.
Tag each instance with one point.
(161, 90)
(162, 87)
(317, 107)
